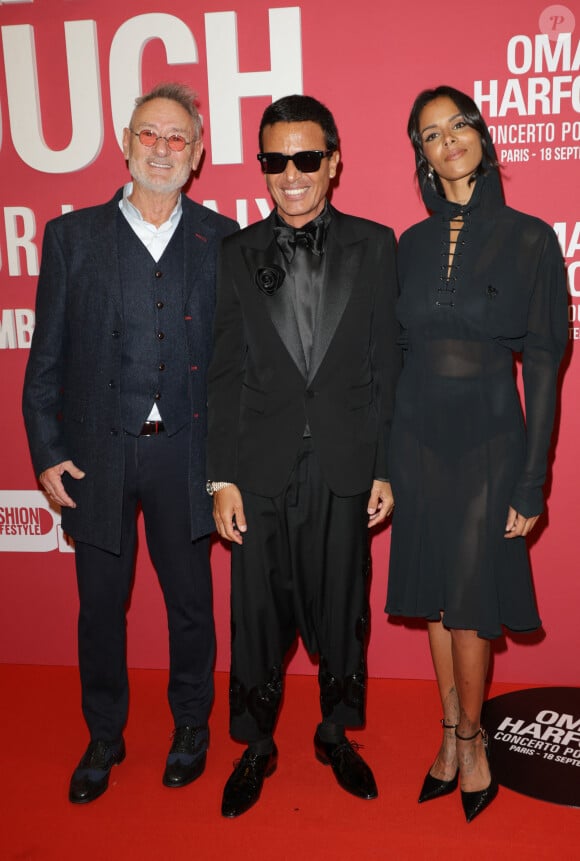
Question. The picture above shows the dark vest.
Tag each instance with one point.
(155, 356)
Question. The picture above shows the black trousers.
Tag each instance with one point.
(303, 567)
(156, 480)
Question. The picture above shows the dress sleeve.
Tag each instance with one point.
(543, 348)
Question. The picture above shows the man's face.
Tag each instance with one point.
(159, 168)
(299, 197)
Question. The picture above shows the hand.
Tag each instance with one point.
(517, 525)
(51, 480)
(381, 502)
(228, 513)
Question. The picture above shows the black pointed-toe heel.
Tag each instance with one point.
(475, 803)
(432, 786)
(435, 788)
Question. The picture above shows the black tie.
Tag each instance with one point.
(310, 236)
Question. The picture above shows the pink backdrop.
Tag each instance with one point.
(68, 76)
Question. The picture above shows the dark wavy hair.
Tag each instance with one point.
(301, 109)
(473, 118)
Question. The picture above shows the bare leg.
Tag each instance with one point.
(445, 765)
(470, 655)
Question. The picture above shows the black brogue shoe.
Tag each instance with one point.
(91, 776)
(187, 756)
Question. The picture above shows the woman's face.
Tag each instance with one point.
(452, 148)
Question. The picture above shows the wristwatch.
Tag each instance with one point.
(213, 486)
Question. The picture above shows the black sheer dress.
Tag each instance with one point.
(461, 453)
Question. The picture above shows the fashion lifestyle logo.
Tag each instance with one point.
(28, 524)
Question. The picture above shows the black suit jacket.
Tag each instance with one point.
(72, 389)
(260, 394)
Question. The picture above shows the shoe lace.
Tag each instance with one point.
(97, 755)
(249, 762)
(347, 746)
(354, 745)
(184, 738)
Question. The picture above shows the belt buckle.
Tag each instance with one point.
(150, 428)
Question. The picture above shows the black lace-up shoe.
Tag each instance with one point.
(350, 769)
(91, 776)
(186, 759)
(245, 782)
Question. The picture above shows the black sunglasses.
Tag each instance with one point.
(307, 161)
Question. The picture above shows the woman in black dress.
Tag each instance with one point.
(479, 281)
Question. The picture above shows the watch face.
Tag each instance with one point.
(209, 487)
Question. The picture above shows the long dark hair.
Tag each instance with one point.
(473, 118)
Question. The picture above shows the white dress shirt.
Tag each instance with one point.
(155, 240)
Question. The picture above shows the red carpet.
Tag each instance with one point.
(302, 813)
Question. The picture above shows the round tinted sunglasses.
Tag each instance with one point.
(307, 161)
(149, 138)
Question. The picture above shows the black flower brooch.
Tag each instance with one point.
(269, 279)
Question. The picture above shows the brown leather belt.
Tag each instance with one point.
(152, 428)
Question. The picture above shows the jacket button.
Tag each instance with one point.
(310, 393)
(114, 432)
(111, 384)
(115, 333)
(159, 274)
(160, 336)
(159, 305)
(162, 366)
(157, 396)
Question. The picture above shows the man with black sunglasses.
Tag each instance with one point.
(301, 391)
(115, 410)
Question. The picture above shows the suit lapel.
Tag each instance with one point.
(343, 262)
(199, 237)
(105, 250)
(198, 276)
(279, 304)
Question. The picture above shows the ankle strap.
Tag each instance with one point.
(470, 737)
(448, 725)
